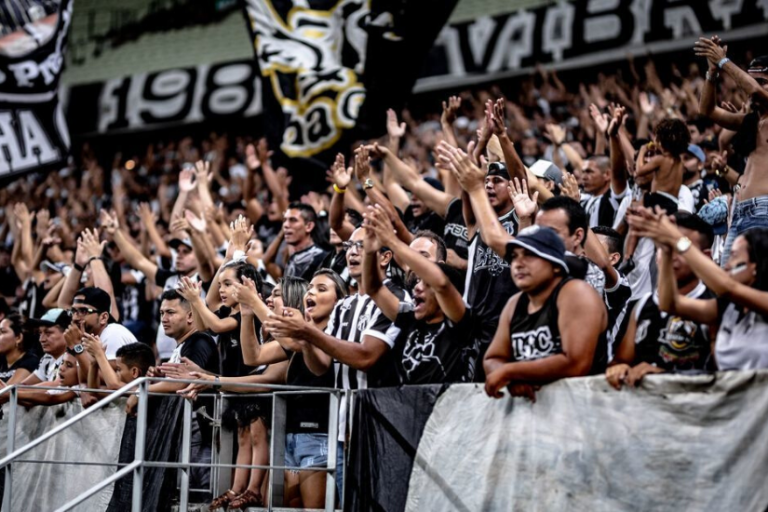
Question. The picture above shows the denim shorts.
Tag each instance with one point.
(752, 213)
(306, 450)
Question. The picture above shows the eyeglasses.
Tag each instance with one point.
(349, 245)
(82, 311)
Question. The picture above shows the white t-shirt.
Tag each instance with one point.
(742, 340)
(113, 337)
(48, 369)
(685, 201)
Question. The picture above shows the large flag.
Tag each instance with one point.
(33, 37)
(331, 68)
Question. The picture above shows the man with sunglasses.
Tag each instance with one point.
(91, 313)
(751, 141)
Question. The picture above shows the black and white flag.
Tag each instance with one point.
(33, 37)
(320, 58)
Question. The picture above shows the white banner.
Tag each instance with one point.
(676, 443)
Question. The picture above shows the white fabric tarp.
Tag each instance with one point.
(676, 443)
(96, 438)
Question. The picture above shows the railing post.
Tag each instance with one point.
(139, 453)
(186, 434)
(277, 452)
(11, 446)
(333, 443)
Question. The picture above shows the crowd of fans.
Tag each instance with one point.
(513, 242)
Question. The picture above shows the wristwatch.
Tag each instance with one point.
(683, 244)
(368, 184)
(78, 349)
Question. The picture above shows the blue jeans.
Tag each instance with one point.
(752, 213)
(311, 451)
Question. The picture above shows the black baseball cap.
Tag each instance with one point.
(52, 317)
(498, 169)
(759, 65)
(97, 298)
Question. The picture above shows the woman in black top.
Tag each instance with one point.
(18, 362)
(307, 416)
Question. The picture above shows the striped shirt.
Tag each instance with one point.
(355, 317)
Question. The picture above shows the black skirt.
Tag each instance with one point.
(244, 409)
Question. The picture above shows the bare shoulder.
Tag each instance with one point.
(576, 291)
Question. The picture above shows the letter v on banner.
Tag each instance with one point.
(33, 133)
(331, 69)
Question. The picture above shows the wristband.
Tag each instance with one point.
(238, 255)
(339, 190)
(79, 268)
(91, 259)
(723, 62)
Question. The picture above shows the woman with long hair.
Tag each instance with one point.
(18, 361)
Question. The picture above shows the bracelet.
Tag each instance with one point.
(79, 268)
(91, 259)
(723, 62)
(339, 190)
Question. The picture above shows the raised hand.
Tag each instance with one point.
(450, 108)
(600, 120)
(90, 242)
(251, 160)
(203, 172)
(73, 335)
(262, 151)
(469, 175)
(619, 116)
(570, 187)
(646, 106)
(189, 289)
(92, 345)
(362, 164)
(289, 324)
(555, 133)
(395, 130)
(43, 223)
(108, 221)
(495, 117)
(242, 230)
(341, 174)
(179, 225)
(525, 205)
(710, 49)
(145, 213)
(186, 180)
(199, 224)
(377, 221)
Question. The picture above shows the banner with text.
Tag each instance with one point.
(33, 134)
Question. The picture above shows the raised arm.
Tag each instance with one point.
(190, 290)
(93, 251)
(472, 179)
(599, 256)
(150, 224)
(497, 121)
(448, 297)
(132, 255)
(342, 177)
(618, 161)
(254, 353)
(372, 282)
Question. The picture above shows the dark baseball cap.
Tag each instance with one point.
(498, 169)
(52, 317)
(176, 242)
(97, 298)
(759, 65)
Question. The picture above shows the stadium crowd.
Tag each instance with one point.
(611, 230)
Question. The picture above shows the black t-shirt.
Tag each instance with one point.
(305, 262)
(700, 194)
(536, 335)
(668, 341)
(489, 282)
(432, 353)
(430, 221)
(267, 230)
(230, 351)
(307, 413)
(455, 232)
(201, 350)
(29, 361)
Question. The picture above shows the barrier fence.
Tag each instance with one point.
(221, 446)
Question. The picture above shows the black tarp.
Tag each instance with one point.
(387, 427)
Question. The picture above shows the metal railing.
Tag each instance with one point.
(140, 386)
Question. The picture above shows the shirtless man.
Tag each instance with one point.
(672, 138)
(752, 209)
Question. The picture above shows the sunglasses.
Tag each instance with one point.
(82, 311)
